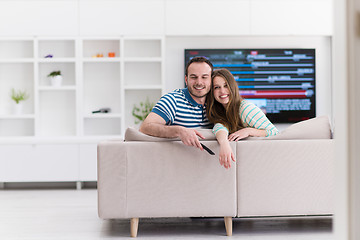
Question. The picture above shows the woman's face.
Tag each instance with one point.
(221, 90)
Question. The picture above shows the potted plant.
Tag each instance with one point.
(18, 96)
(55, 78)
(141, 112)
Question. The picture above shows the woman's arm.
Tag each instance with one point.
(226, 154)
(255, 121)
(252, 116)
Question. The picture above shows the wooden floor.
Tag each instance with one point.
(72, 214)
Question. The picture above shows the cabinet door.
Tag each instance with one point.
(19, 18)
(198, 17)
(16, 162)
(88, 162)
(100, 18)
(297, 17)
(38, 163)
(56, 162)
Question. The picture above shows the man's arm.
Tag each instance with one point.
(155, 125)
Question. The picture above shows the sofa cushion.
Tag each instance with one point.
(133, 134)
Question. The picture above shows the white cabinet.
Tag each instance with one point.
(87, 162)
(199, 17)
(39, 163)
(126, 17)
(291, 17)
(113, 73)
(37, 17)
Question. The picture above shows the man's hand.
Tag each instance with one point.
(190, 137)
(154, 125)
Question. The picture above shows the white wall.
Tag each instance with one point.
(186, 24)
(175, 59)
(168, 17)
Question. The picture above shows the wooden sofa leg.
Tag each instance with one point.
(134, 223)
(228, 225)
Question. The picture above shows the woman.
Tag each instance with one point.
(232, 114)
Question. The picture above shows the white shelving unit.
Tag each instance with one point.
(133, 73)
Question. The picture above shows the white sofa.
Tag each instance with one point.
(290, 174)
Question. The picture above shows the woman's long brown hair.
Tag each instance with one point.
(216, 113)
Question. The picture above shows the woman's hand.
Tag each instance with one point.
(247, 132)
(240, 134)
(226, 155)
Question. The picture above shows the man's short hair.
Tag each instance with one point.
(198, 60)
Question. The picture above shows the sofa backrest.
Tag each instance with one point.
(315, 128)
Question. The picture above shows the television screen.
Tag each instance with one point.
(279, 81)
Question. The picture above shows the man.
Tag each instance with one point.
(179, 112)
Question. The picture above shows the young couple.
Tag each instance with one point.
(179, 113)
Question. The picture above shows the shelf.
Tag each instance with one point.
(16, 60)
(59, 48)
(143, 59)
(134, 97)
(18, 76)
(142, 48)
(101, 86)
(62, 88)
(94, 47)
(57, 113)
(102, 126)
(67, 69)
(102, 115)
(103, 59)
(13, 116)
(143, 87)
(56, 60)
(15, 49)
(142, 73)
(19, 126)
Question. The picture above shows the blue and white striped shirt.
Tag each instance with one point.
(179, 108)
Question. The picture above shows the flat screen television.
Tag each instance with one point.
(279, 81)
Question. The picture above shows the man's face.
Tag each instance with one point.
(198, 80)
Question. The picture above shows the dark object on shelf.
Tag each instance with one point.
(207, 149)
(49, 56)
(102, 110)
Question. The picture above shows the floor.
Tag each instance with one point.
(72, 214)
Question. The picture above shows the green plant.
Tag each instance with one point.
(54, 73)
(18, 95)
(141, 112)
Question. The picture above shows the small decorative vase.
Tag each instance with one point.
(56, 81)
(18, 108)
